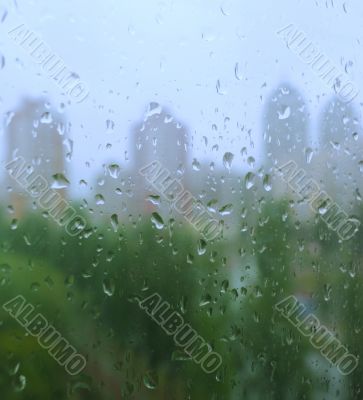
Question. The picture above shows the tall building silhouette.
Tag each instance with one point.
(160, 137)
(338, 150)
(124, 190)
(285, 126)
(35, 133)
(285, 131)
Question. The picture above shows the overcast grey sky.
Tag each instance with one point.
(131, 53)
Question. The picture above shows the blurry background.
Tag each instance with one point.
(213, 93)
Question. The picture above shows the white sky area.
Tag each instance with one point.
(131, 53)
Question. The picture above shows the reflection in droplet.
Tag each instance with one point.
(220, 89)
(99, 199)
(59, 181)
(227, 160)
(4, 15)
(154, 109)
(114, 170)
(150, 380)
(46, 118)
(14, 224)
(202, 247)
(249, 180)
(19, 383)
(308, 154)
(196, 165)
(285, 113)
(251, 161)
(110, 125)
(157, 220)
(154, 199)
(108, 286)
(267, 183)
(226, 209)
(237, 72)
(114, 222)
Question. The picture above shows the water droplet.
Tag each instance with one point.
(5, 268)
(327, 291)
(244, 151)
(243, 291)
(14, 224)
(227, 160)
(2, 61)
(59, 181)
(196, 165)
(308, 154)
(154, 109)
(4, 15)
(157, 220)
(19, 383)
(211, 205)
(8, 118)
(249, 180)
(99, 199)
(205, 299)
(27, 240)
(220, 89)
(108, 286)
(69, 144)
(151, 380)
(251, 161)
(69, 281)
(154, 199)
(237, 73)
(285, 113)
(323, 208)
(110, 126)
(202, 247)
(114, 170)
(226, 209)
(46, 118)
(183, 304)
(114, 222)
(267, 183)
(224, 286)
(34, 287)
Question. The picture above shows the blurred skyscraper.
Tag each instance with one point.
(285, 126)
(285, 130)
(35, 132)
(124, 191)
(158, 138)
(338, 151)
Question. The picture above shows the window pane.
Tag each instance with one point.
(181, 207)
